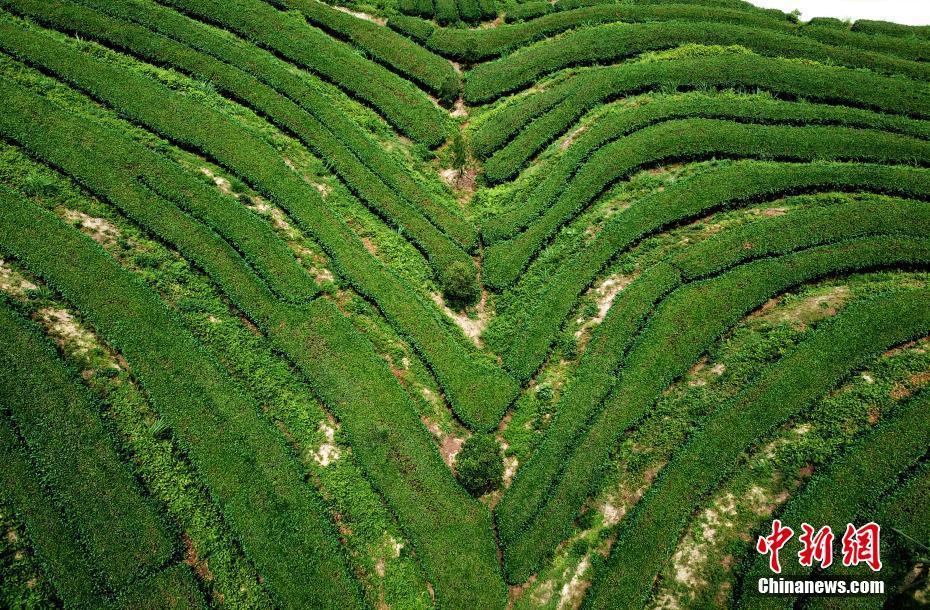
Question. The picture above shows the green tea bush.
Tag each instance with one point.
(527, 11)
(460, 288)
(55, 544)
(483, 44)
(439, 248)
(280, 521)
(690, 139)
(613, 42)
(278, 75)
(75, 454)
(377, 416)
(478, 390)
(395, 52)
(446, 11)
(784, 390)
(105, 161)
(740, 184)
(469, 10)
(402, 104)
(595, 373)
(172, 588)
(412, 27)
(547, 114)
(542, 21)
(888, 28)
(683, 327)
(507, 161)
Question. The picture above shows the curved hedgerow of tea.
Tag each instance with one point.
(279, 520)
(689, 139)
(541, 20)
(785, 389)
(538, 539)
(476, 386)
(622, 121)
(239, 85)
(401, 103)
(681, 328)
(394, 52)
(614, 42)
(550, 112)
(103, 161)
(281, 77)
(369, 403)
(74, 453)
(741, 184)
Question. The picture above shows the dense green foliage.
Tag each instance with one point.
(279, 76)
(612, 42)
(399, 101)
(681, 328)
(622, 121)
(123, 535)
(279, 520)
(393, 51)
(478, 465)
(357, 175)
(172, 588)
(482, 44)
(737, 185)
(784, 390)
(554, 109)
(689, 139)
(477, 387)
(359, 386)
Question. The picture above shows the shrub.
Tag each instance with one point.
(542, 116)
(527, 11)
(387, 47)
(76, 458)
(412, 27)
(278, 75)
(482, 44)
(399, 101)
(617, 41)
(460, 287)
(783, 391)
(317, 338)
(607, 349)
(689, 139)
(478, 465)
(257, 483)
(737, 185)
(477, 388)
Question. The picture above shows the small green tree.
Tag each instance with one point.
(479, 465)
(459, 153)
(460, 285)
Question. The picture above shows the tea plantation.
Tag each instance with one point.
(458, 303)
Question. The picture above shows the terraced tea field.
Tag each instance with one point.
(458, 303)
